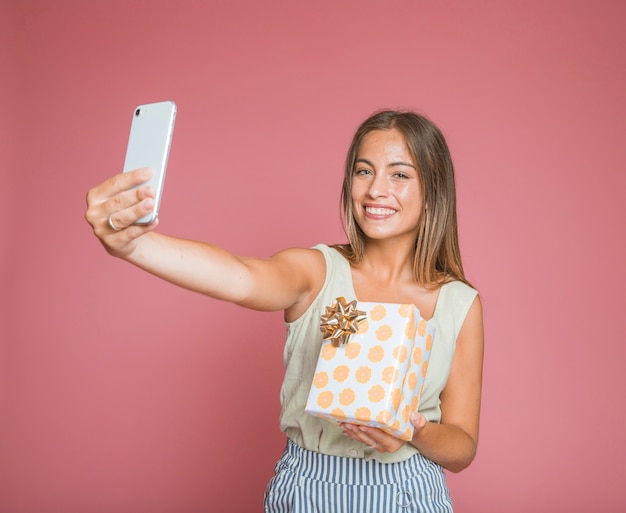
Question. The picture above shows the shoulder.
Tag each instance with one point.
(455, 302)
(460, 287)
(320, 254)
(458, 292)
(303, 256)
(300, 260)
(310, 265)
(307, 267)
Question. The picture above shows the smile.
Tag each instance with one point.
(379, 211)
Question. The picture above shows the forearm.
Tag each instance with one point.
(197, 266)
(447, 445)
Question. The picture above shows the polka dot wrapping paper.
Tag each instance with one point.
(376, 379)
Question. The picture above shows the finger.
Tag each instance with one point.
(118, 183)
(362, 434)
(127, 199)
(122, 219)
(380, 440)
(418, 420)
(121, 210)
(116, 193)
(112, 224)
(372, 438)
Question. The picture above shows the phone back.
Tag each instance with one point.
(149, 144)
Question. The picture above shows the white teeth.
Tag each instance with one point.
(379, 211)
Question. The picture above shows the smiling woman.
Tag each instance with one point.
(399, 207)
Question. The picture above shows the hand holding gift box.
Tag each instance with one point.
(372, 365)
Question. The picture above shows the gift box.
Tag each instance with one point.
(372, 365)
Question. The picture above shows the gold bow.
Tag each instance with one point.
(341, 321)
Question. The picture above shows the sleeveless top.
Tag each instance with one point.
(303, 344)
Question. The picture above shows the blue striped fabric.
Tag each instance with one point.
(310, 482)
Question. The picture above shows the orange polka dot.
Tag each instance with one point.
(421, 327)
(429, 342)
(376, 354)
(390, 374)
(384, 417)
(417, 355)
(415, 403)
(378, 312)
(405, 310)
(352, 350)
(395, 426)
(396, 398)
(376, 393)
(405, 413)
(424, 368)
(325, 399)
(320, 380)
(338, 413)
(328, 352)
(347, 396)
(363, 374)
(363, 414)
(412, 380)
(384, 332)
(341, 373)
(407, 435)
(400, 353)
(410, 329)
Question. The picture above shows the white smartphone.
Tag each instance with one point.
(149, 145)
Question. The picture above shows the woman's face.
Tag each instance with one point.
(387, 197)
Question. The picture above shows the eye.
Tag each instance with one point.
(401, 175)
(362, 171)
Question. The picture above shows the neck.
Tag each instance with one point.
(389, 261)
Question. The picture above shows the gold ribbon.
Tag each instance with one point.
(341, 321)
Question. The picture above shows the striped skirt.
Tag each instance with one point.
(310, 482)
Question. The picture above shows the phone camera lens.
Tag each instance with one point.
(137, 112)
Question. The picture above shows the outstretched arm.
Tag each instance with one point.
(281, 282)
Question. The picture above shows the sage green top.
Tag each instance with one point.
(302, 348)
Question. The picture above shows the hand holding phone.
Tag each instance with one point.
(149, 145)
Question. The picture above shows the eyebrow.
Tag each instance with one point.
(399, 163)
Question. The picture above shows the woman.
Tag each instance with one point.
(400, 215)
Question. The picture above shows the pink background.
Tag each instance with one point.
(121, 393)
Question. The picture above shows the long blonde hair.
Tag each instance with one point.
(437, 253)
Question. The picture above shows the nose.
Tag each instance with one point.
(379, 187)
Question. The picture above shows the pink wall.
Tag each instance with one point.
(122, 393)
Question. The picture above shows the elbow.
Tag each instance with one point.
(462, 463)
(457, 467)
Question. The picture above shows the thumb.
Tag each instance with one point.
(418, 420)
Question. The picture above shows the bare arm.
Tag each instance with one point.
(282, 282)
(452, 443)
